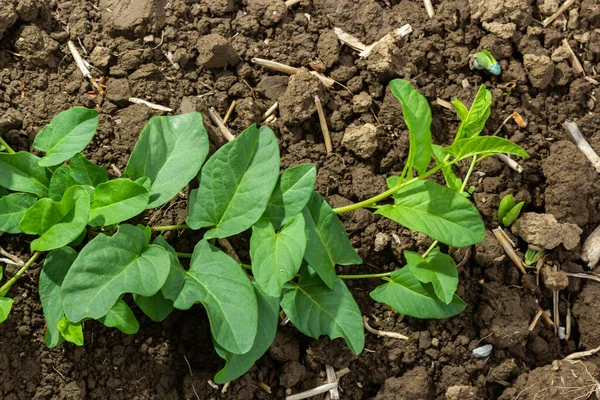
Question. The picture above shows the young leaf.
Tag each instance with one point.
(327, 240)
(405, 294)
(57, 223)
(276, 257)
(453, 181)
(238, 364)
(85, 172)
(483, 146)
(473, 123)
(160, 305)
(513, 214)
(438, 269)
(60, 181)
(292, 192)
(22, 173)
(108, 267)
(118, 200)
(317, 310)
(461, 109)
(235, 184)
(5, 307)
(170, 151)
(438, 212)
(70, 331)
(56, 266)
(506, 204)
(122, 318)
(68, 133)
(217, 281)
(12, 209)
(417, 116)
(3, 192)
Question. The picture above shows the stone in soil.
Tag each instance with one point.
(413, 385)
(118, 91)
(544, 231)
(297, 104)
(540, 70)
(100, 58)
(267, 12)
(214, 51)
(361, 139)
(133, 17)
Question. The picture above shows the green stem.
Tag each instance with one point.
(469, 172)
(435, 243)
(6, 287)
(8, 148)
(365, 276)
(184, 255)
(168, 228)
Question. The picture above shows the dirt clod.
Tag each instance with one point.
(586, 311)
(554, 280)
(463, 393)
(544, 231)
(413, 385)
(36, 46)
(133, 17)
(362, 140)
(297, 104)
(540, 70)
(214, 51)
(8, 16)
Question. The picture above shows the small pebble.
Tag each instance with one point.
(561, 332)
(483, 351)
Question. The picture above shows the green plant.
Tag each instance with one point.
(531, 256)
(95, 261)
(508, 210)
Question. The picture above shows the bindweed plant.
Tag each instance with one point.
(508, 210)
(97, 265)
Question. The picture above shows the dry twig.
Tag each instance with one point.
(510, 162)
(270, 111)
(573, 58)
(581, 354)
(396, 34)
(82, 65)
(590, 251)
(349, 40)
(584, 276)
(575, 135)
(323, 123)
(12, 259)
(228, 115)
(222, 128)
(153, 106)
(312, 392)
(535, 319)
(555, 306)
(334, 394)
(286, 69)
(393, 335)
(508, 248)
(429, 8)
(563, 8)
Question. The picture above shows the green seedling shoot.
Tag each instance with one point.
(508, 211)
(96, 265)
(531, 256)
(484, 60)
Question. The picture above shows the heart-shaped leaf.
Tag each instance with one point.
(277, 256)
(438, 269)
(5, 307)
(21, 172)
(483, 146)
(118, 200)
(235, 184)
(71, 331)
(57, 223)
(317, 310)
(85, 172)
(169, 151)
(219, 283)
(12, 209)
(68, 133)
(108, 267)
(122, 318)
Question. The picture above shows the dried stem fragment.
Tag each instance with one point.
(390, 37)
(228, 115)
(582, 354)
(286, 69)
(349, 40)
(313, 392)
(222, 128)
(334, 394)
(323, 123)
(153, 106)
(270, 111)
(590, 252)
(508, 248)
(429, 8)
(510, 162)
(393, 335)
(575, 135)
(82, 65)
(557, 14)
(573, 58)
(535, 319)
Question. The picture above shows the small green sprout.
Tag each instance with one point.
(508, 211)
(485, 60)
(531, 256)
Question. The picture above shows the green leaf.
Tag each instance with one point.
(108, 267)
(118, 200)
(22, 173)
(68, 133)
(483, 146)
(276, 257)
(438, 269)
(170, 151)
(3, 192)
(85, 172)
(453, 181)
(2, 147)
(438, 212)
(122, 318)
(60, 181)
(317, 310)
(12, 209)
(235, 184)
(513, 214)
(405, 294)
(219, 283)
(292, 192)
(506, 204)
(160, 305)
(417, 116)
(70, 331)
(327, 242)
(473, 123)
(238, 364)
(56, 266)
(461, 109)
(5, 307)
(57, 223)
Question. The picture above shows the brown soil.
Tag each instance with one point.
(211, 43)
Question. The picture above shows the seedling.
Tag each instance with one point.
(96, 264)
(485, 60)
(508, 211)
(531, 256)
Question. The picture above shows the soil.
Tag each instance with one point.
(194, 54)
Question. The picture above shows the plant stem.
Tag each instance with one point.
(435, 243)
(184, 255)
(168, 228)
(6, 287)
(8, 148)
(365, 276)
(469, 172)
